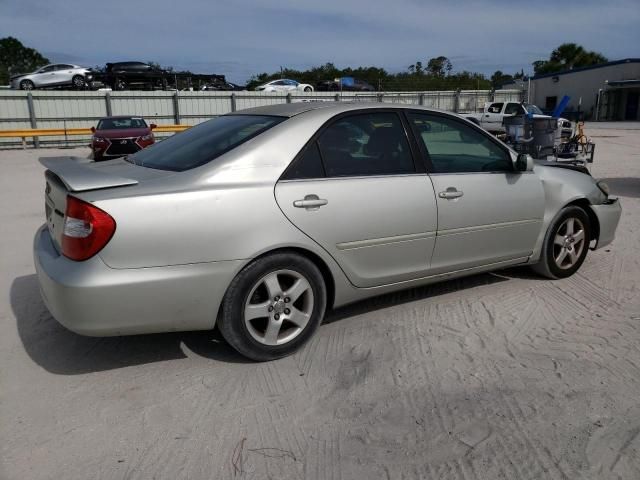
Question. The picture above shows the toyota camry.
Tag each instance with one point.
(259, 221)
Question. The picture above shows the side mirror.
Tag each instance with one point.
(152, 126)
(524, 162)
(93, 129)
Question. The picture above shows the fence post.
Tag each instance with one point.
(32, 117)
(337, 97)
(176, 108)
(233, 102)
(456, 101)
(107, 103)
(421, 99)
(492, 95)
(380, 95)
(289, 97)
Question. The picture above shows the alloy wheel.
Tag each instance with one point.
(278, 307)
(568, 243)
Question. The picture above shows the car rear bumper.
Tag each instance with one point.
(93, 299)
(608, 217)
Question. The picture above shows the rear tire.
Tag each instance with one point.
(565, 245)
(27, 85)
(78, 81)
(273, 306)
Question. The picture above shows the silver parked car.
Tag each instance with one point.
(261, 220)
(55, 75)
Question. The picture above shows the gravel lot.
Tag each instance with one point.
(495, 376)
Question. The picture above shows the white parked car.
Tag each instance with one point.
(284, 85)
(56, 75)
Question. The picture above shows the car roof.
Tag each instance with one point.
(116, 117)
(330, 107)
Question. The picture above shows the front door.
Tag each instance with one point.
(492, 119)
(487, 212)
(356, 191)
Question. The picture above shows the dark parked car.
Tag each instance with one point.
(127, 67)
(347, 84)
(130, 75)
(119, 136)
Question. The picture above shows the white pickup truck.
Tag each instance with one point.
(491, 118)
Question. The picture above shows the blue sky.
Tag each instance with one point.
(242, 37)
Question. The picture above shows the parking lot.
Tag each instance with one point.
(502, 375)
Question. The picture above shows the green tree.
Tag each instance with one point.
(439, 66)
(16, 58)
(498, 79)
(566, 57)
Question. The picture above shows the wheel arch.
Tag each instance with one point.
(594, 223)
(325, 271)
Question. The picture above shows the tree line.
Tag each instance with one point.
(436, 73)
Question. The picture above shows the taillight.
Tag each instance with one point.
(87, 229)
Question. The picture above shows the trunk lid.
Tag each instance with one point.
(68, 175)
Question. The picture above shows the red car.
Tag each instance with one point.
(119, 136)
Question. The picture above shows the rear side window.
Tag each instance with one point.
(495, 108)
(204, 142)
(366, 144)
(455, 147)
(308, 165)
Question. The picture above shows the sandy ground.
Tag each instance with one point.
(495, 376)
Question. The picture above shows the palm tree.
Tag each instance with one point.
(566, 57)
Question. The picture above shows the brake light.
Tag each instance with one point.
(87, 229)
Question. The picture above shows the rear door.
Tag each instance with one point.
(487, 211)
(63, 73)
(356, 190)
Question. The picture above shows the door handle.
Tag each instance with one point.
(450, 193)
(310, 202)
(486, 115)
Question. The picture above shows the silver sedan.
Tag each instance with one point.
(261, 220)
(55, 75)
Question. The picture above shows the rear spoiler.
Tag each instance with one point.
(79, 174)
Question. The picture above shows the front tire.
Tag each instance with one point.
(308, 89)
(273, 306)
(565, 245)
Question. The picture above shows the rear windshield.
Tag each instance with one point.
(117, 123)
(204, 142)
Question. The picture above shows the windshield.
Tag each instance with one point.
(204, 142)
(118, 123)
(532, 109)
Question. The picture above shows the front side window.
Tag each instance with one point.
(513, 109)
(454, 147)
(49, 68)
(204, 142)
(366, 144)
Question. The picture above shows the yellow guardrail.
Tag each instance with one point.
(44, 132)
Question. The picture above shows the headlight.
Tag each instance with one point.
(604, 188)
(147, 138)
(99, 140)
